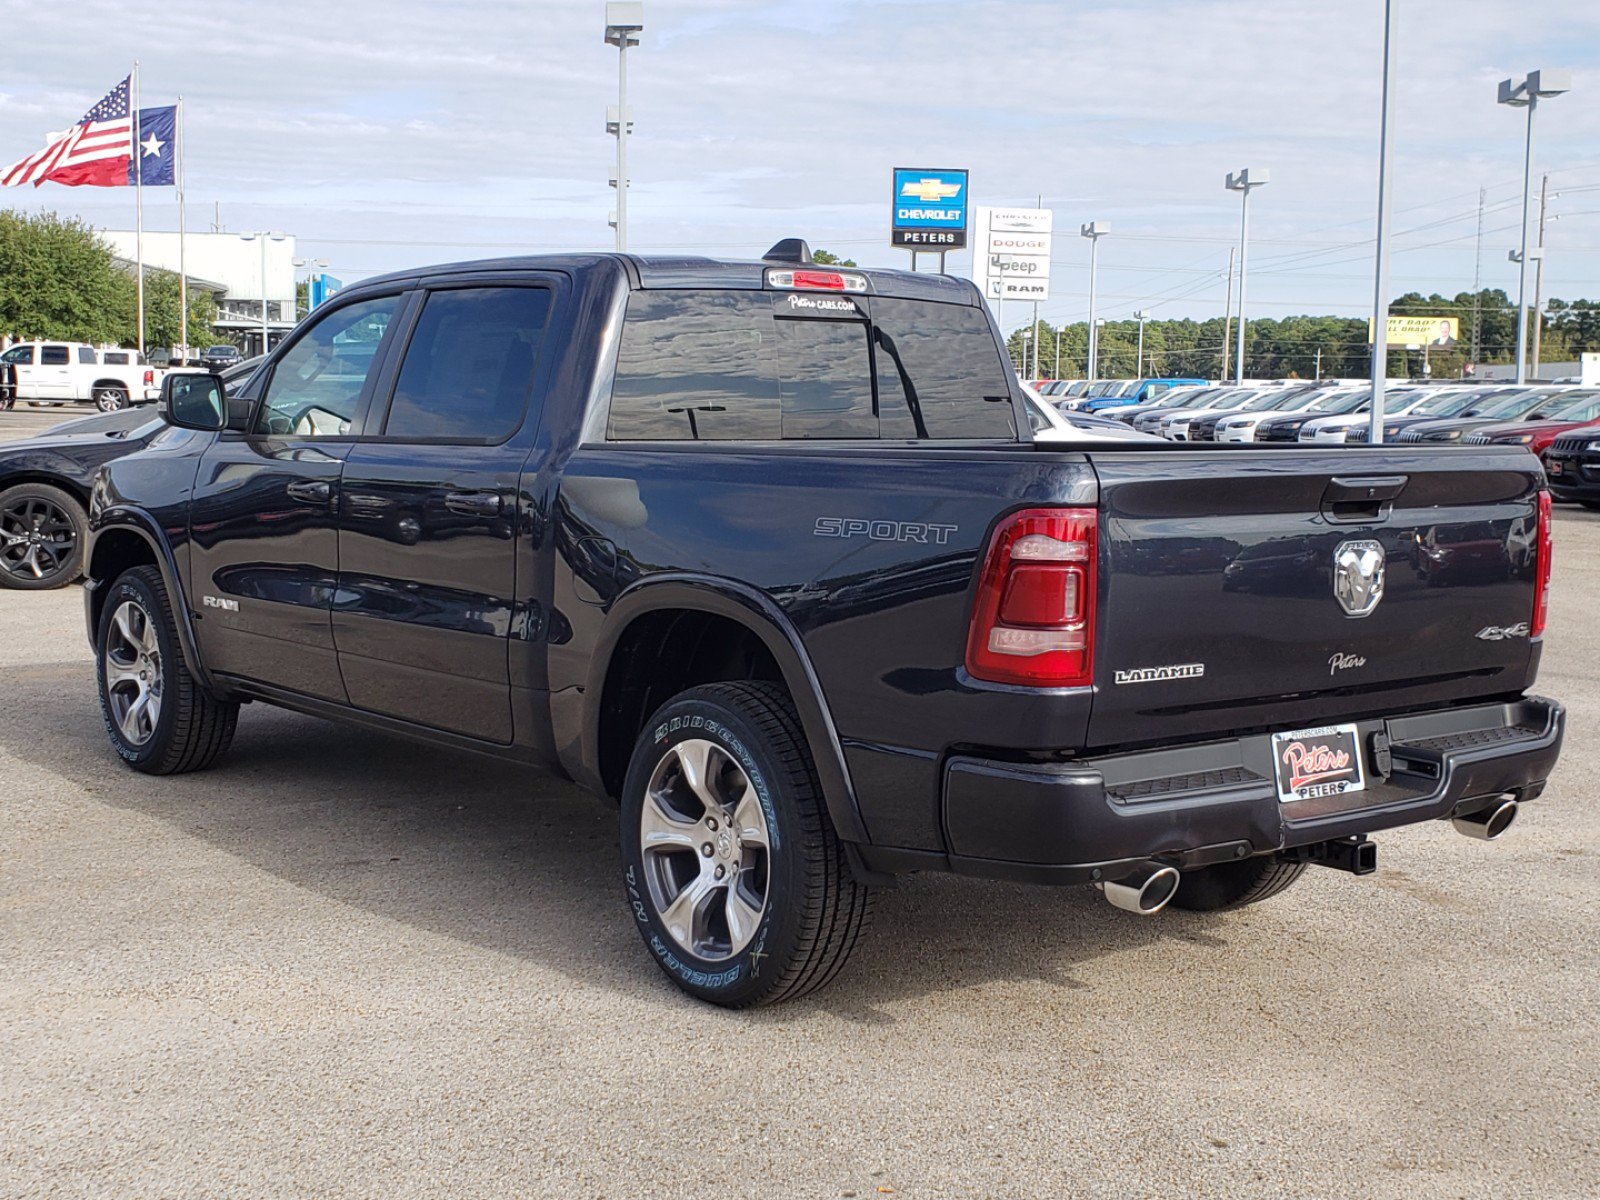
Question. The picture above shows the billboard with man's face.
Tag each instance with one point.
(1420, 331)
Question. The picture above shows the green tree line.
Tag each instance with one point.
(1307, 347)
(59, 281)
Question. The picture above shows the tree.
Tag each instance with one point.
(827, 258)
(58, 280)
(161, 324)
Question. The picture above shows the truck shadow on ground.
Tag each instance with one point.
(496, 857)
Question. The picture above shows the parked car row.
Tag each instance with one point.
(50, 374)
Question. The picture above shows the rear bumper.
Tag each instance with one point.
(1195, 805)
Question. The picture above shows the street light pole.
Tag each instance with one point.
(1526, 93)
(311, 265)
(1141, 315)
(264, 235)
(1244, 182)
(1380, 283)
(1094, 231)
(624, 22)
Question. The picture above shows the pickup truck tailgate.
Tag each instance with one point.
(1219, 608)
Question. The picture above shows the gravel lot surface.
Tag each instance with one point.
(341, 965)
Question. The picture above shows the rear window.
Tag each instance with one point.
(765, 366)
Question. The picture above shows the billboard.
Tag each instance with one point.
(929, 209)
(1011, 252)
(1420, 331)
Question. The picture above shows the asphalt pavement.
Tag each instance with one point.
(338, 964)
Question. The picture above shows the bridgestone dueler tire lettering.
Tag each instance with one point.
(1234, 884)
(194, 727)
(816, 910)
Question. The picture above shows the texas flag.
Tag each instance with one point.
(99, 151)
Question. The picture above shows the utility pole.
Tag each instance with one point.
(1379, 369)
(1227, 319)
(1318, 373)
(1477, 287)
(1538, 278)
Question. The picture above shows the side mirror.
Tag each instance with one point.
(194, 401)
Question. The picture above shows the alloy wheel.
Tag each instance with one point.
(706, 850)
(37, 538)
(134, 679)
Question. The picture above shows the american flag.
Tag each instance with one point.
(96, 151)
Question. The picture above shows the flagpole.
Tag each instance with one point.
(183, 272)
(138, 210)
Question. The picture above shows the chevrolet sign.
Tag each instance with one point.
(929, 209)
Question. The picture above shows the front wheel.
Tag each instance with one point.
(110, 399)
(160, 720)
(733, 871)
(41, 537)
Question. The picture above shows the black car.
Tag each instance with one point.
(1572, 467)
(44, 493)
(1530, 405)
(218, 357)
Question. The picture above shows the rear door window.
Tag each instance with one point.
(468, 369)
(53, 356)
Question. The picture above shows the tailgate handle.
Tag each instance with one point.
(1361, 498)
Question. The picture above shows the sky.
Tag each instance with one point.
(419, 131)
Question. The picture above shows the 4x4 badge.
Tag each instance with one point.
(1358, 576)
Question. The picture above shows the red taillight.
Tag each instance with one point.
(1541, 570)
(1033, 622)
(830, 280)
(149, 378)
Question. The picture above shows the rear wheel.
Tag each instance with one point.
(41, 537)
(1591, 505)
(1235, 884)
(157, 715)
(110, 399)
(733, 871)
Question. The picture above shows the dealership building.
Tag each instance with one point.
(241, 273)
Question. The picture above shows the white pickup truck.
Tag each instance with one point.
(66, 372)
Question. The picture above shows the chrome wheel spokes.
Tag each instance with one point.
(134, 680)
(706, 846)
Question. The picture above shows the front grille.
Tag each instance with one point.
(1574, 445)
(1202, 433)
(1478, 439)
(1277, 433)
(1198, 781)
(1408, 435)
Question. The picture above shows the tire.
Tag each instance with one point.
(788, 914)
(42, 531)
(1234, 884)
(137, 656)
(110, 399)
(1591, 505)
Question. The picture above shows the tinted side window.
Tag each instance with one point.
(696, 365)
(316, 385)
(53, 356)
(469, 366)
(85, 355)
(18, 356)
(940, 374)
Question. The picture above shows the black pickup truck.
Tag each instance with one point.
(765, 553)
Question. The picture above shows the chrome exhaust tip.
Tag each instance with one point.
(1487, 823)
(1146, 891)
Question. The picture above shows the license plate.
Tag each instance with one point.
(1318, 762)
(1556, 468)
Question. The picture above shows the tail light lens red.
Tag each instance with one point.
(149, 378)
(1541, 595)
(1033, 621)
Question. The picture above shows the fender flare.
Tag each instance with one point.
(758, 613)
(125, 518)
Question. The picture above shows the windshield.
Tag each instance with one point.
(1574, 406)
(1511, 407)
(1448, 404)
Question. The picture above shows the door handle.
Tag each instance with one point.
(474, 504)
(311, 491)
